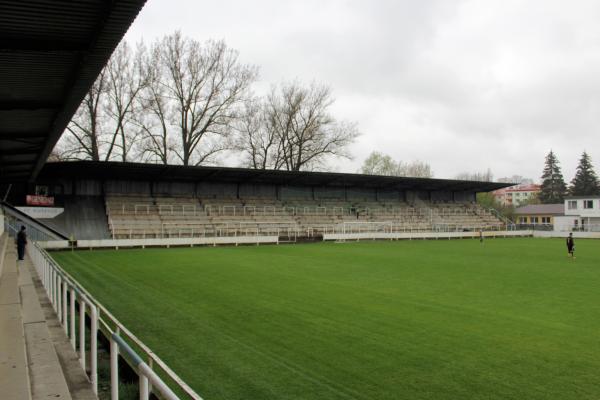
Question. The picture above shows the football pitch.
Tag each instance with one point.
(507, 319)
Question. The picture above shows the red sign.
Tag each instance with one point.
(39, 200)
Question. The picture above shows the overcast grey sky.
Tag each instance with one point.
(463, 85)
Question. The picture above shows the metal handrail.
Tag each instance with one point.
(49, 272)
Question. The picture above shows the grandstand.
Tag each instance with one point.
(159, 217)
(140, 201)
(56, 338)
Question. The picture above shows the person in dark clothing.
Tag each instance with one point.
(21, 242)
(571, 245)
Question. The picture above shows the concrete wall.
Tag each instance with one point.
(359, 194)
(554, 234)
(441, 195)
(166, 242)
(330, 193)
(84, 217)
(215, 190)
(295, 192)
(391, 195)
(87, 187)
(262, 191)
(423, 235)
(129, 187)
(174, 189)
(464, 196)
(90, 187)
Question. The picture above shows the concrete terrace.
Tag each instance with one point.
(36, 359)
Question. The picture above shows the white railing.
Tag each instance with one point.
(250, 228)
(423, 235)
(61, 289)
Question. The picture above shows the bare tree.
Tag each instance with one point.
(205, 85)
(416, 169)
(125, 80)
(156, 144)
(484, 176)
(84, 133)
(258, 144)
(174, 103)
(296, 130)
(382, 164)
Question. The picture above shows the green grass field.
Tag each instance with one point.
(510, 319)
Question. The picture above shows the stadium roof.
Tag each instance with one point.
(591, 196)
(179, 173)
(51, 52)
(552, 209)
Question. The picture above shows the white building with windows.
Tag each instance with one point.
(582, 213)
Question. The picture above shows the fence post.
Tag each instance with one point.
(143, 386)
(82, 331)
(114, 369)
(94, 348)
(150, 365)
(48, 280)
(46, 277)
(72, 321)
(53, 284)
(59, 299)
(64, 306)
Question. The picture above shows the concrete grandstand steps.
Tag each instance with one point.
(233, 216)
(77, 381)
(14, 377)
(32, 366)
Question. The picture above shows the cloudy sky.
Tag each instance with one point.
(463, 85)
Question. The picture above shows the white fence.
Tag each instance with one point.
(422, 235)
(64, 291)
(160, 242)
(559, 234)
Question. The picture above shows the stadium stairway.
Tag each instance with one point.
(36, 360)
(84, 217)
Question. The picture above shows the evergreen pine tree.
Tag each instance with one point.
(585, 182)
(553, 185)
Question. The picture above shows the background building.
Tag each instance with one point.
(516, 195)
(582, 213)
(539, 214)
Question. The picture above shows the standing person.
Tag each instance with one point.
(571, 245)
(480, 235)
(21, 242)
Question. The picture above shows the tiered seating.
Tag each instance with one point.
(160, 216)
(133, 217)
(456, 216)
(37, 360)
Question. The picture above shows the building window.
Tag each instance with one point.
(534, 220)
(523, 220)
(572, 204)
(588, 204)
(545, 220)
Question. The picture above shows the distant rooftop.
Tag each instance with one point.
(530, 187)
(554, 209)
(582, 197)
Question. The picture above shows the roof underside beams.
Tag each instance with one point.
(51, 51)
(177, 173)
